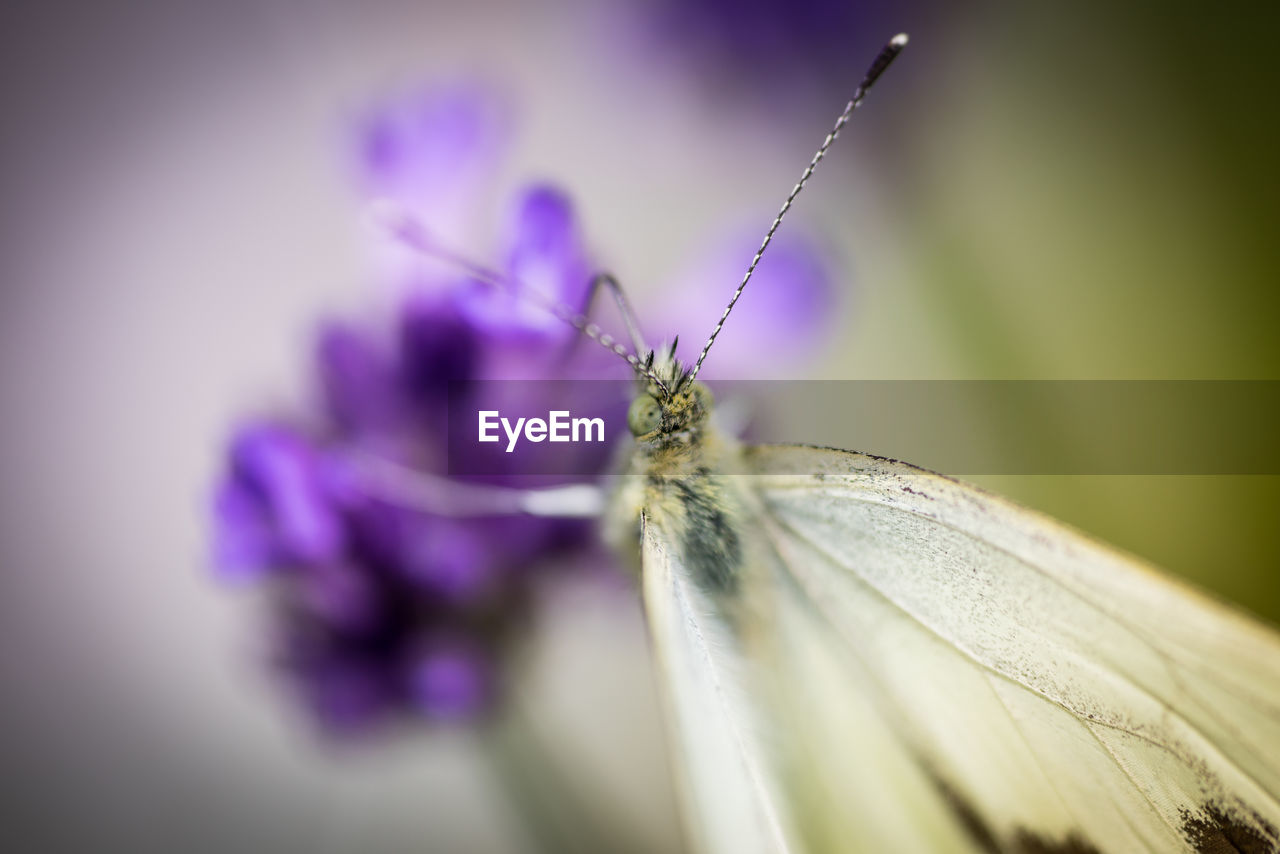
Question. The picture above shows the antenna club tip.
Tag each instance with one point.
(900, 40)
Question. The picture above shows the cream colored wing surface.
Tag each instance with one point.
(726, 778)
(777, 737)
(1057, 695)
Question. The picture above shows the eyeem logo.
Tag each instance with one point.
(558, 427)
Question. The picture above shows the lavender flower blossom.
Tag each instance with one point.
(385, 611)
(783, 320)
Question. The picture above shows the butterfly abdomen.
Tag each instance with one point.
(704, 520)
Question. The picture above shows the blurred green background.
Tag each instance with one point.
(1087, 191)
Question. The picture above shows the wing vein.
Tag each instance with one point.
(1081, 594)
(1030, 750)
(1132, 781)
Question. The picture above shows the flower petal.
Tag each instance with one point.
(545, 248)
(343, 598)
(278, 466)
(544, 253)
(356, 380)
(448, 559)
(782, 318)
(243, 540)
(450, 679)
(347, 694)
(432, 152)
(437, 346)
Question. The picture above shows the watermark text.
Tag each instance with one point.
(558, 426)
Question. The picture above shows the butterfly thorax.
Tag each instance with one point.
(679, 477)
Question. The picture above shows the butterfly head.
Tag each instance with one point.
(655, 417)
(670, 406)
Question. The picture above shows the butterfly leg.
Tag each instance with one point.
(606, 280)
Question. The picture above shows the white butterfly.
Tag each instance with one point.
(860, 655)
(864, 656)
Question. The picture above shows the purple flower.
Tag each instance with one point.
(386, 610)
(543, 252)
(449, 678)
(431, 152)
(354, 388)
(271, 510)
(345, 693)
(783, 316)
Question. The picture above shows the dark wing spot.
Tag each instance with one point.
(1214, 830)
(1024, 841)
(974, 825)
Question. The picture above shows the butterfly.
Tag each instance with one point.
(861, 655)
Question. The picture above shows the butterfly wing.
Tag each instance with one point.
(724, 776)
(1053, 694)
(750, 683)
(908, 663)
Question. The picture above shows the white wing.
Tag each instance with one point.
(917, 665)
(727, 779)
(751, 772)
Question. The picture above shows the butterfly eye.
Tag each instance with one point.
(644, 416)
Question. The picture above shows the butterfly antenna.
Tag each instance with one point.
(887, 54)
(405, 228)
